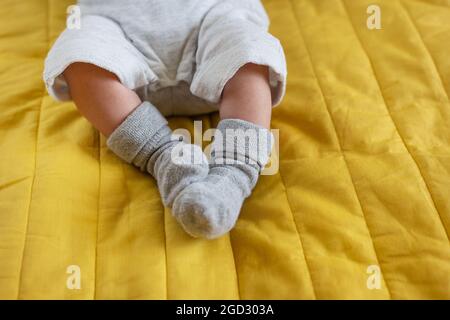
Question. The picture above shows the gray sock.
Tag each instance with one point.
(210, 208)
(145, 140)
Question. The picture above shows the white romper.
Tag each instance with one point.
(177, 54)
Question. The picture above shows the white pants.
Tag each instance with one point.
(177, 54)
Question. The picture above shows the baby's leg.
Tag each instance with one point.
(247, 96)
(137, 132)
(211, 207)
(100, 96)
(242, 66)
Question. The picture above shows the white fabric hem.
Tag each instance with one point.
(211, 79)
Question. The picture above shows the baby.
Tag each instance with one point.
(131, 63)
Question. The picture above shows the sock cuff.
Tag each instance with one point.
(241, 141)
(139, 129)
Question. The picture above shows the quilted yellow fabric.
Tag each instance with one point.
(363, 184)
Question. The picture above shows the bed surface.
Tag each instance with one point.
(363, 183)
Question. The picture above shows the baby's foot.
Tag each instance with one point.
(176, 165)
(209, 208)
(145, 140)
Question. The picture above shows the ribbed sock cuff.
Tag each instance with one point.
(145, 126)
(238, 141)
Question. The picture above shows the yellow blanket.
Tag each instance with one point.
(360, 206)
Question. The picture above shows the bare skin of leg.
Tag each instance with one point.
(100, 96)
(105, 102)
(247, 96)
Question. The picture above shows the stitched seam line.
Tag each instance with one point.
(235, 267)
(163, 211)
(99, 154)
(340, 147)
(27, 224)
(433, 62)
(393, 121)
(30, 200)
(127, 212)
(300, 238)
